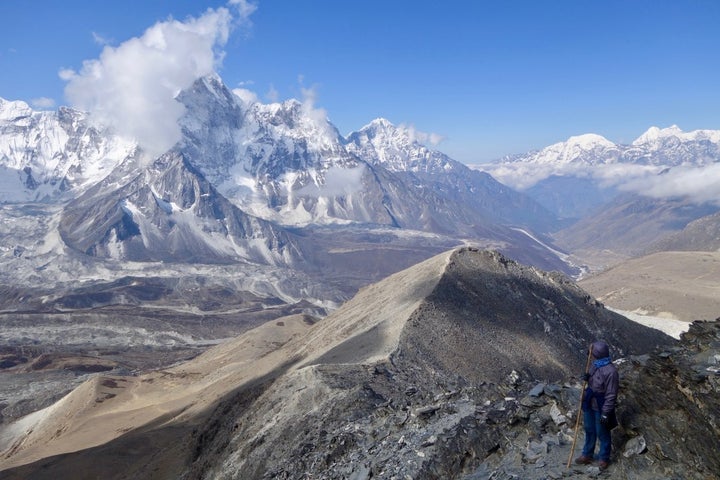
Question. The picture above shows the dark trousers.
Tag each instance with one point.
(595, 431)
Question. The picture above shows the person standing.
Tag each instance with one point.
(598, 406)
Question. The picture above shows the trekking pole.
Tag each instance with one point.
(582, 394)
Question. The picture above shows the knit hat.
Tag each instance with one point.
(600, 349)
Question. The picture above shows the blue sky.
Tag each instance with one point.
(491, 77)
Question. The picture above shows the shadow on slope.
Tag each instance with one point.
(489, 316)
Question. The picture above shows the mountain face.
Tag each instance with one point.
(702, 234)
(631, 224)
(394, 148)
(45, 155)
(283, 163)
(169, 212)
(280, 163)
(264, 156)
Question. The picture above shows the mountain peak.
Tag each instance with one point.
(653, 134)
(14, 110)
(474, 285)
(379, 122)
(383, 133)
(589, 141)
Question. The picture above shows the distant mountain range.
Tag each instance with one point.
(657, 149)
(589, 169)
(625, 198)
(275, 184)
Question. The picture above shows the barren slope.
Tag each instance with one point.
(106, 407)
(630, 223)
(676, 285)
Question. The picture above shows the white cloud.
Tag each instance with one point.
(101, 40)
(318, 115)
(244, 8)
(66, 74)
(43, 102)
(343, 181)
(421, 137)
(247, 96)
(272, 94)
(699, 183)
(522, 176)
(338, 181)
(618, 174)
(435, 138)
(702, 184)
(132, 87)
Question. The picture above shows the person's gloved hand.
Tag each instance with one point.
(604, 420)
(585, 377)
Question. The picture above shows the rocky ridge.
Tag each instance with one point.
(421, 374)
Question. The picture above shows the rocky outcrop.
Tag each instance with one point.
(672, 400)
(669, 413)
(404, 423)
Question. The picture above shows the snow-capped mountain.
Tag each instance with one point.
(245, 173)
(621, 198)
(665, 147)
(593, 170)
(653, 151)
(246, 176)
(276, 161)
(588, 149)
(394, 148)
(45, 154)
(169, 212)
(285, 163)
(673, 147)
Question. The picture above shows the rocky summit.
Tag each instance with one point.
(463, 366)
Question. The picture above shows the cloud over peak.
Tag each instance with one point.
(132, 87)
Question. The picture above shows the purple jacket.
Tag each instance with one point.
(605, 380)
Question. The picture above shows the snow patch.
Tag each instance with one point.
(669, 326)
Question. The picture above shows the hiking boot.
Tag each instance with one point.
(603, 465)
(583, 460)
